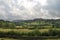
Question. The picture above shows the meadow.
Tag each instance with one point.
(39, 29)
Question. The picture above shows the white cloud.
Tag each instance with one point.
(28, 9)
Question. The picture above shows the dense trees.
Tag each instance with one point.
(32, 24)
(6, 24)
(35, 24)
(39, 23)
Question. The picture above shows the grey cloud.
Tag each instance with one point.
(23, 12)
(30, 0)
(53, 8)
(14, 10)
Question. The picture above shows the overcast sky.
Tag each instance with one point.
(29, 9)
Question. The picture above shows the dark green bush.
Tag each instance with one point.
(34, 33)
(44, 34)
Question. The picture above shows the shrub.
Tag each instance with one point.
(44, 34)
(34, 33)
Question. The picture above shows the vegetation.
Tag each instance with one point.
(7, 24)
(38, 24)
(49, 28)
(51, 32)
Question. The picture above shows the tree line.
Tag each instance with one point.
(6, 24)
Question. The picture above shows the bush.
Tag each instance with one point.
(44, 34)
(34, 33)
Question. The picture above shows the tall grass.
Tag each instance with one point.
(14, 34)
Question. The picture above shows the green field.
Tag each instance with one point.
(41, 29)
(25, 31)
(23, 39)
(7, 39)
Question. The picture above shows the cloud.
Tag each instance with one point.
(29, 9)
(53, 8)
(18, 9)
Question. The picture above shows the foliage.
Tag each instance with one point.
(7, 24)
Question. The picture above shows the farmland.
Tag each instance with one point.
(24, 32)
(44, 29)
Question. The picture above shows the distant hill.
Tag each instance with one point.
(38, 19)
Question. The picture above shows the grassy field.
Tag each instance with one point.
(23, 39)
(51, 39)
(24, 30)
(7, 39)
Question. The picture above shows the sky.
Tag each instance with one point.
(29, 9)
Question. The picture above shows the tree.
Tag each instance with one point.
(11, 25)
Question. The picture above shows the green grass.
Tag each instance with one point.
(7, 39)
(23, 39)
(52, 39)
(25, 30)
